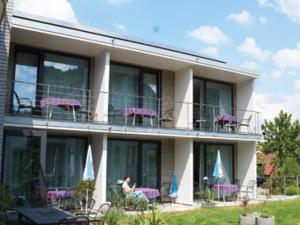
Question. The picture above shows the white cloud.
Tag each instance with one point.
(117, 2)
(270, 105)
(277, 74)
(212, 51)
(209, 34)
(297, 85)
(262, 2)
(288, 58)
(250, 66)
(290, 8)
(120, 27)
(243, 17)
(263, 20)
(56, 9)
(250, 48)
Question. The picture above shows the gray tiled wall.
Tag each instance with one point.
(4, 53)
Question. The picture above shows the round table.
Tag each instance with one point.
(150, 193)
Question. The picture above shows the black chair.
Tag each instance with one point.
(10, 217)
(98, 216)
(23, 103)
(79, 220)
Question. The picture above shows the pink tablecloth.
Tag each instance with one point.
(149, 192)
(59, 102)
(139, 111)
(226, 187)
(54, 195)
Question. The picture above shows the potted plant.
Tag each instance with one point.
(265, 217)
(208, 196)
(85, 189)
(246, 218)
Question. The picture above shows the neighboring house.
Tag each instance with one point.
(146, 110)
(265, 162)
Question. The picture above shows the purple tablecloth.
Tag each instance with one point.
(54, 195)
(149, 192)
(59, 102)
(226, 118)
(225, 187)
(139, 111)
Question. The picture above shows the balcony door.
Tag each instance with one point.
(132, 87)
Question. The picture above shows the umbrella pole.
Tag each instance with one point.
(218, 190)
(86, 200)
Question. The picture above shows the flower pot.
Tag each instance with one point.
(208, 204)
(247, 220)
(266, 221)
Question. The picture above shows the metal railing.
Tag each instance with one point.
(54, 102)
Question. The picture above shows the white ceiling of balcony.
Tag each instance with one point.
(75, 45)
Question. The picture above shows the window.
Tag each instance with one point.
(132, 87)
(138, 159)
(64, 161)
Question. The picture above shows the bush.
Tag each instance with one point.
(113, 217)
(291, 190)
(142, 204)
(131, 202)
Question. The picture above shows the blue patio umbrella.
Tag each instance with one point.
(88, 173)
(173, 188)
(218, 170)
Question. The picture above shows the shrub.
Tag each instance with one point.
(208, 195)
(131, 202)
(113, 217)
(265, 212)
(291, 190)
(277, 191)
(142, 204)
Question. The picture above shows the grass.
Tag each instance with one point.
(285, 212)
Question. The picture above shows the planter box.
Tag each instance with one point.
(247, 220)
(208, 204)
(266, 221)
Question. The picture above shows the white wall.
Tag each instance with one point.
(245, 103)
(184, 170)
(99, 150)
(184, 94)
(101, 87)
(246, 162)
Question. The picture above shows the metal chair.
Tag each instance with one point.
(249, 188)
(167, 116)
(98, 216)
(164, 192)
(80, 220)
(23, 103)
(245, 123)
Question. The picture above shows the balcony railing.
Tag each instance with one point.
(53, 102)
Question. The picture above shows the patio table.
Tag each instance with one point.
(225, 119)
(225, 188)
(43, 216)
(53, 195)
(140, 112)
(150, 193)
(64, 103)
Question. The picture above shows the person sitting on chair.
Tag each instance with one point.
(131, 190)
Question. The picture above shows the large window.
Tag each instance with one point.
(39, 75)
(132, 87)
(139, 159)
(34, 162)
(205, 158)
(64, 161)
(211, 99)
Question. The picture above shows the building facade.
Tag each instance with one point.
(146, 110)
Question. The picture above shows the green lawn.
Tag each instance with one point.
(286, 213)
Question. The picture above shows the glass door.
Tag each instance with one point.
(23, 170)
(25, 86)
(150, 161)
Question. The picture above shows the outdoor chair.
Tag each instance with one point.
(80, 220)
(10, 217)
(167, 116)
(248, 189)
(23, 103)
(245, 123)
(165, 192)
(98, 216)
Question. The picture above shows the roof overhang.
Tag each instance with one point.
(72, 39)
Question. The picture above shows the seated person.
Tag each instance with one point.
(131, 190)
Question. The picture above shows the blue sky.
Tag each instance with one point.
(259, 35)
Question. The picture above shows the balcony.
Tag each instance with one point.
(79, 107)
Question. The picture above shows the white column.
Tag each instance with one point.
(246, 162)
(99, 147)
(184, 170)
(101, 87)
(184, 98)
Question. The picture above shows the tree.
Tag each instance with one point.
(280, 137)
